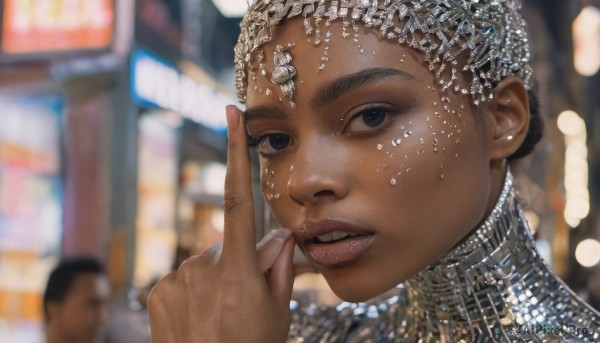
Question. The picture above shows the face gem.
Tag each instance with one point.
(284, 71)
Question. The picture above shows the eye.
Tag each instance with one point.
(370, 118)
(271, 143)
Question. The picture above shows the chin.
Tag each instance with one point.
(356, 295)
(361, 289)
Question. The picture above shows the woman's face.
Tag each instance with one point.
(374, 149)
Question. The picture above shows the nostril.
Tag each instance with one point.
(311, 184)
(323, 193)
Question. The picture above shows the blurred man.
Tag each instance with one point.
(76, 302)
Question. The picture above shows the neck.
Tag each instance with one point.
(493, 283)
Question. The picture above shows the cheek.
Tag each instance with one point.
(436, 162)
(76, 317)
(450, 168)
(430, 143)
(273, 180)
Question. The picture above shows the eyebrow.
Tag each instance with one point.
(264, 112)
(336, 88)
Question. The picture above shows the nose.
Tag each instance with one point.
(319, 173)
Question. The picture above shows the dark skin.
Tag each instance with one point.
(332, 157)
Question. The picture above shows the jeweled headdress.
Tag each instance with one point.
(486, 38)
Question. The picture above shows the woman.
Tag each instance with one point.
(384, 130)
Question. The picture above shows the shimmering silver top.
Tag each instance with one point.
(494, 287)
(486, 38)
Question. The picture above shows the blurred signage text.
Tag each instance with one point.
(43, 26)
(157, 84)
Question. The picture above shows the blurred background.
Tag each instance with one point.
(113, 144)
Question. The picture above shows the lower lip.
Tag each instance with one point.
(340, 253)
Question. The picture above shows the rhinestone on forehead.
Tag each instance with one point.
(490, 34)
(284, 71)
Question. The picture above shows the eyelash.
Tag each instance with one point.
(388, 110)
(254, 142)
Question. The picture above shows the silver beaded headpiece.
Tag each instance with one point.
(490, 34)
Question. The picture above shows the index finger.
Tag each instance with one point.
(239, 232)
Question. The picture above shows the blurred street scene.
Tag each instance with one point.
(113, 145)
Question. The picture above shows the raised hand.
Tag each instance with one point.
(239, 293)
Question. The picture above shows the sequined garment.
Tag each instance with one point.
(490, 35)
(494, 287)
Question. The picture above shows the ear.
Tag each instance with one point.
(509, 117)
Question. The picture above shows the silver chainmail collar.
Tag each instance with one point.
(494, 287)
(486, 38)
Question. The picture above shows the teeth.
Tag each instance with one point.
(335, 236)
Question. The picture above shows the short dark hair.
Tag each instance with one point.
(64, 274)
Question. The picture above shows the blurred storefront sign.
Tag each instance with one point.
(127, 130)
(53, 170)
(40, 27)
(156, 83)
(181, 163)
(30, 210)
(157, 188)
(200, 215)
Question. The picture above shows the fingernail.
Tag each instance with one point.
(233, 117)
(282, 234)
(277, 244)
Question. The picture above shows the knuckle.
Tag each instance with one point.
(154, 301)
(233, 203)
(191, 267)
(187, 264)
(162, 289)
(233, 143)
(194, 271)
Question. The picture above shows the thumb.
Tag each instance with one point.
(281, 276)
(270, 247)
